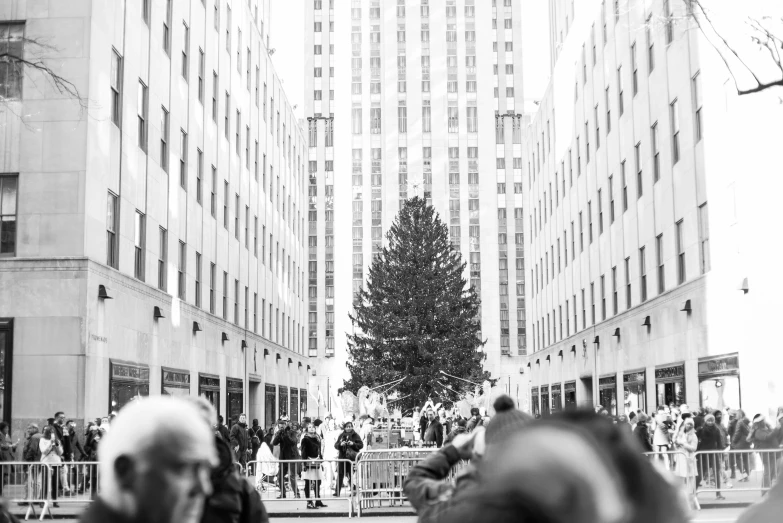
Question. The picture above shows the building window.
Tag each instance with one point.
(183, 159)
(9, 184)
(225, 204)
(643, 275)
(139, 242)
(600, 214)
(213, 193)
(614, 291)
(185, 46)
(402, 120)
(126, 383)
(214, 96)
(198, 279)
(212, 275)
(255, 312)
(650, 46)
(635, 69)
(697, 128)
(163, 247)
(181, 260)
(656, 153)
(116, 83)
(704, 238)
(167, 29)
(164, 139)
(603, 298)
(628, 283)
(236, 216)
(472, 119)
(680, 254)
(201, 76)
(112, 229)
(199, 174)
(675, 122)
(611, 199)
(660, 265)
(225, 295)
(637, 152)
(142, 116)
(625, 186)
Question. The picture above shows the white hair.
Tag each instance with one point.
(158, 425)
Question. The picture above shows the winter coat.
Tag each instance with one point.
(7, 450)
(686, 443)
(224, 432)
(352, 440)
(311, 447)
(32, 450)
(286, 438)
(763, 436)
(256, 434)
(710, 437)
(643, 435)
(91, 445)
(239, 440)
(661, 436)
(440, 501)
(739, 440)
(434, 433)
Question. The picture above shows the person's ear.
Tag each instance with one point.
(124, 471)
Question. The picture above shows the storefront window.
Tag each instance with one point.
(569, 395)
(6, 351)
(294, 404)
(175, 382)
(635, 397)
(607, 394)
(127, 383)
(303, 402)
(545, 400)
(234, 399)
(270, 405)
(556, 398)
(534, 402)
(283, 403)
(209, 388)
(670, 385)
(719, 383)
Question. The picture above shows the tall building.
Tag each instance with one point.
(645, 219)
(414, 98)
(152, 242)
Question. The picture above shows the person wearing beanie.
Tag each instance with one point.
(506, 419)
(762, 437)
(642, 432)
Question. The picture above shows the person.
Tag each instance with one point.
(151, 470)
(62, 434)
(348, 445)
(7, 453)
(422, 424)
(51, 454)
(642, 432)
(240, 442)
(256, 433)
(223, 429)
(459, 428)
(662, 433)
(91, 441)
(330, 453)
(762, 437)
(444, 421)
(267, 465)
(686, 443)
(769, 509)
(724, 444)
(311, 451)
(31, 453)
(739, 441)
(436, 500)
(433, 430)
(710, 440)
(286, 438)
(475, 419)
(366, 426)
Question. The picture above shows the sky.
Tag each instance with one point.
(286, 36)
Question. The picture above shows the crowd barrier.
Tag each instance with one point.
(737, 473)
(272, 480)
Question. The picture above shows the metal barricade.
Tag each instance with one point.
(281, 483)
(753, 470)
(381, 476)
(26, 484)
(679, 468)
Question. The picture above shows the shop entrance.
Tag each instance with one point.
(670, 385)
(557, 404)
(607, 394)
(534, 409)
(569, 395)
(545, 400)
(634, 392)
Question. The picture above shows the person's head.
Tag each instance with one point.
(462, 422)
(718, 416)
(71, 424)
(311, 428)
(50, 421)
(632, 417)
(507, 418)
(348, 426)
(151, 469)
(282, 424)
(4, 428)
(604, 412)
(47, 432)
(622, 419)
(709, 420)
(687, 416)
(220, 419)
(430, 414)
(32, 428)
(642, 419)
(474, 412)
(660, 408)
(59, 417)
(255, 423)
(306, 420)
(318, 423)
(242, 418)
(687, 424)
(205, 408)
(105, 421)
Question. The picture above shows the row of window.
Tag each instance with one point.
(542, 272)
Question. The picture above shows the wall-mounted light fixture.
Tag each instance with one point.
(103, 293)
(290, 361)
(744, 286)
(157, 313)
(686, 307)
(300, 365)
(224, 337)
(266, 352)
(647, 323)
(243, 344)
(277, 357)
(196, 327)
(616, 332)
(596, 340)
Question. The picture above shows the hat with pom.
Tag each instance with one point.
(507, 419)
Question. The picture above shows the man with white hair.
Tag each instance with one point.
(154, 464)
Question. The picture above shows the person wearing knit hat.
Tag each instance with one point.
(762, 436)
(506, 419)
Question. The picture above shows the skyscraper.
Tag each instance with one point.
(414, 98)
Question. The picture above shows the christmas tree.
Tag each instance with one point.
(417, 316)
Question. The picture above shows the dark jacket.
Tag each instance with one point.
(239, 438)
(642, 433)
(346, 438)
(76, 445)
(439, 501)
(224, 432)
(311, 447)
(91, 445)
(763, 436)
(286, 438)
(256, 435)
(32, 448)
(710, 438)
(739, 440)
(422, 425)
(434, 432)
(233, 499)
